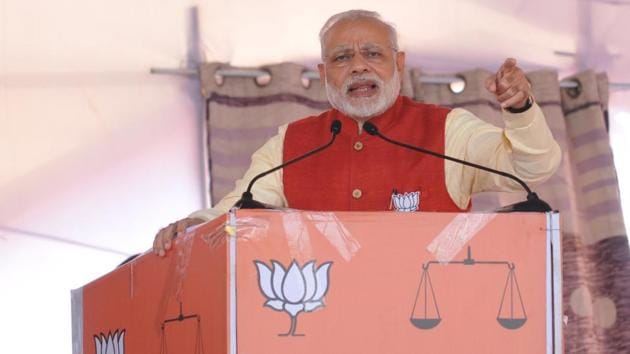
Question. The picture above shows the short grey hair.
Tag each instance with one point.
(352, 15)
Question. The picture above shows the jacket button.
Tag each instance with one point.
(358, 146)
(357, 193)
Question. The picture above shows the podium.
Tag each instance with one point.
(270, 281)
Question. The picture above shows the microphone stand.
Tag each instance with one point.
(247, 200)
(532, 204)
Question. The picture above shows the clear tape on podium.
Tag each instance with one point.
(300, 227)
(454, 237)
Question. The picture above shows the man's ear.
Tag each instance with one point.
(322, 73)
(400, 62)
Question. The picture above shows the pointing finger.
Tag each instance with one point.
(508, 65)
(506, 68)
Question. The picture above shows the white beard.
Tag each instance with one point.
(363, 108)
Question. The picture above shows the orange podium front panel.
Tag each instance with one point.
(343, 282)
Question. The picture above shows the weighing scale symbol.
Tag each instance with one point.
(426, 313)
(199, 349)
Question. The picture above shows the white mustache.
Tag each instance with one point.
(363, 77)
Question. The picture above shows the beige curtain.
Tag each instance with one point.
(596, 258)
(243, 114)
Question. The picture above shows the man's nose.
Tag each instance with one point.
(359, 65)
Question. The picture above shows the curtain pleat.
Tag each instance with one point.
(596, 258)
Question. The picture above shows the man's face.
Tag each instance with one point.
(361, 70)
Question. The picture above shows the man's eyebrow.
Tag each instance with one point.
(371, 46)
(340, 48)
(346, 47)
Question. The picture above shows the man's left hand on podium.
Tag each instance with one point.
(164, 239)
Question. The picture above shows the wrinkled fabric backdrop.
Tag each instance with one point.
(242, 113)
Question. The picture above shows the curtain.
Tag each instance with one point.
(596, 260)
(242, 114)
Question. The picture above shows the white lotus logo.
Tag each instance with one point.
(110, 344)
(407, 201)
(294, 290)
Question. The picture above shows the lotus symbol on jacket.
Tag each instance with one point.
(110, 344)
(293, 290)
(407, 201)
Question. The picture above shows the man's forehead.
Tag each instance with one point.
(352, 32)
(365, 45)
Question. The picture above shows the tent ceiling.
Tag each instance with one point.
(438, 35)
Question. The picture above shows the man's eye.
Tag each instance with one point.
(374, 54)
(342, 57)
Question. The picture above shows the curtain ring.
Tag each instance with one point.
(576, 91)
(458, 86)
(304, 79)
(218, 78)
(263, 79)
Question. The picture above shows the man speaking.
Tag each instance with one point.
(362, 68)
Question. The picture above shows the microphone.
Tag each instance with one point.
(247, 200)
(532, 204)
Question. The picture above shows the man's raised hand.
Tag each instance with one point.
(509, 85)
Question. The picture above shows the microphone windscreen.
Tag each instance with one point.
(335, 127)
(370, 128)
